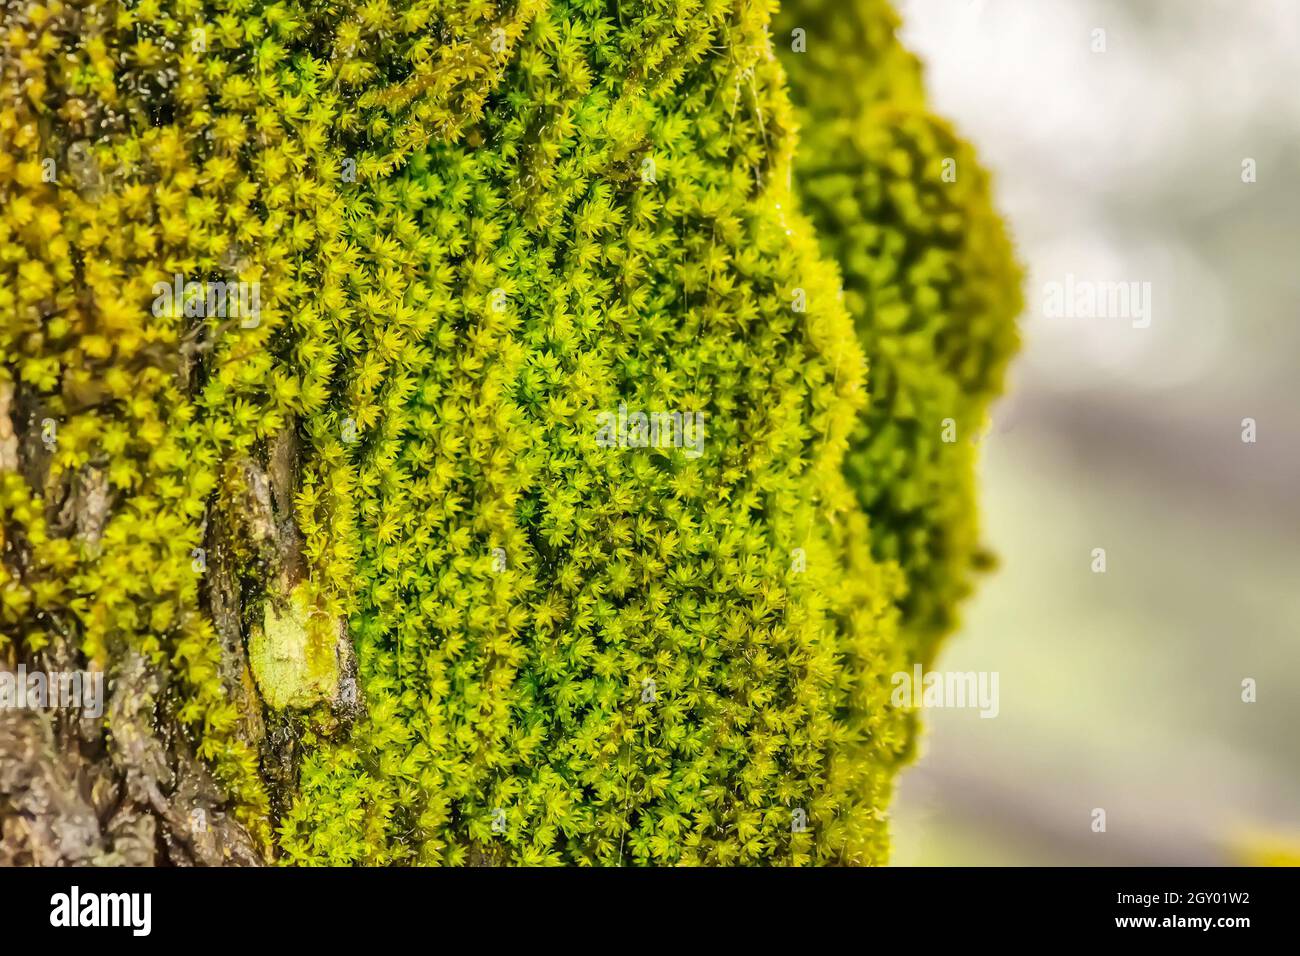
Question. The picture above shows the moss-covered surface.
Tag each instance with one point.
(901, 203)
(473, 229)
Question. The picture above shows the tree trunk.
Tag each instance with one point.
(447, 430)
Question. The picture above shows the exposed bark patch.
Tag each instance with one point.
(8, 437)
(54, 804)
(170, 781)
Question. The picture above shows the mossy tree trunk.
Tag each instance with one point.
(365, 580)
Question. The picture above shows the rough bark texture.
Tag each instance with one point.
(127, 790)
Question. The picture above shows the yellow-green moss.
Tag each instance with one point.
(902, 203)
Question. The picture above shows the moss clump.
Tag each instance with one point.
(475, 229)
(902, 204)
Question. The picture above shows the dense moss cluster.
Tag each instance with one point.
(473, 228)
(901, 204)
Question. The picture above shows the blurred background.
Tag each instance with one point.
(1123, 690)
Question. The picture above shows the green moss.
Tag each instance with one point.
(475, 229)
(901, 202)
